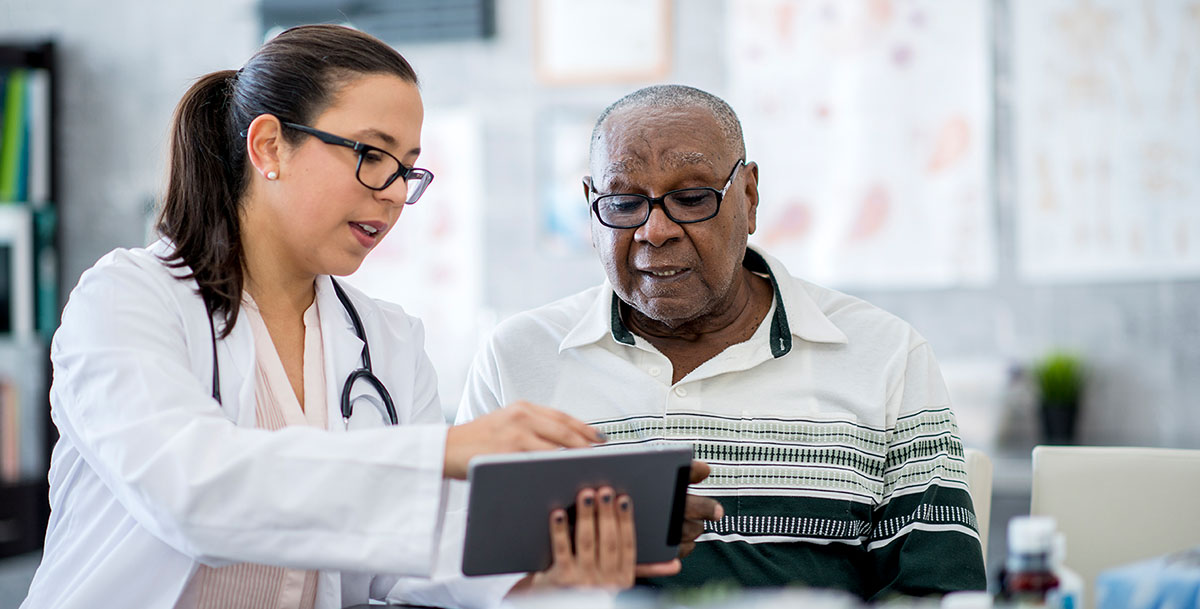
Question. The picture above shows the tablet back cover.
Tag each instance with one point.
(511, 498)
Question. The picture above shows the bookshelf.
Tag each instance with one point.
(29, 297)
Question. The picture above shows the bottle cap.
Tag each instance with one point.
(1031, 534)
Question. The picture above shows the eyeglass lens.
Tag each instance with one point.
(687, 205)
(377, 168)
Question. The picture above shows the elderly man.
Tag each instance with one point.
(833, 449)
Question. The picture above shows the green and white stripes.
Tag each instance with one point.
(774, 475)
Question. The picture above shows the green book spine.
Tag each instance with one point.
(14, 136)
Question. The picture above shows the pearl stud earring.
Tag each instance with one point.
(271, 175)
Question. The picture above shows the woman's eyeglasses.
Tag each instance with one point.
(377, 168)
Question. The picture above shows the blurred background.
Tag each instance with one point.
(1019, 179)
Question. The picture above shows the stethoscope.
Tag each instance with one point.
(363, 373)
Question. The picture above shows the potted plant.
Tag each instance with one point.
(1060, 379)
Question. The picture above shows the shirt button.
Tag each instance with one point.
(681, 392)
(654, 370)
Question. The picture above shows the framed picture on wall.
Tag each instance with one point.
(562, 162)
(593, 41)
(16, 271)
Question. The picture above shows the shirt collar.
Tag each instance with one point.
(804, 318)
(798, 315)
(601, 318)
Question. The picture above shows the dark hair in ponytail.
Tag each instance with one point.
(293, 77)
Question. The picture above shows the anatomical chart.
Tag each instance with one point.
(1107, 113)
(871, 124)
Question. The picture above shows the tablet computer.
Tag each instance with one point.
(511, 497)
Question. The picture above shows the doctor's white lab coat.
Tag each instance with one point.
(152, 477)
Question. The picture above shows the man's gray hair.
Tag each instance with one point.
(678, 96)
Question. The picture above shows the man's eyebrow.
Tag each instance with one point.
(676, 160)
(624, 165)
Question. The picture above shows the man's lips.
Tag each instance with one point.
(664, 272)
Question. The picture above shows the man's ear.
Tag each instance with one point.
(587, 189)
(264, 141)
(587, 197)
(751, 192)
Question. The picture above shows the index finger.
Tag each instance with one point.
(560, 541)
(548, 430)
(573, 426)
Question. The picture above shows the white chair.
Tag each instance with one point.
(979, 483)
(1117, 505)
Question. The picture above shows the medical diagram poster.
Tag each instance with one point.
(1107, 141)
(871, 124)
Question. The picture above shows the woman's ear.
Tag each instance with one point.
(264, 142)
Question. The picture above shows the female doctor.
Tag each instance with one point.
(204, 386)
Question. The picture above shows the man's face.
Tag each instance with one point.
(672, 273)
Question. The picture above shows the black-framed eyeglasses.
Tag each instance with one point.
(377, 168)
(683, 206)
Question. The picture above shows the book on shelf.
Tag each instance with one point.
(10, 433)
(25, 135)
(18, 296)
(45, 272)
(28, 290)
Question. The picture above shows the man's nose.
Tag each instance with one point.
(658, 228)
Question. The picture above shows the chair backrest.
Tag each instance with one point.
(1117, 505)
(979, 483)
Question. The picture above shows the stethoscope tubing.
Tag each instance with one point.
(364, 372)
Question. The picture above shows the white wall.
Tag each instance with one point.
(125, 63)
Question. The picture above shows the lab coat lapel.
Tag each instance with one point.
(343, 348)
(236, 357)
(244, 355)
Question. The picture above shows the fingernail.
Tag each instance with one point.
(601, 436)
(559, 518)
(587, 501)
(625, 505)
(607, 499)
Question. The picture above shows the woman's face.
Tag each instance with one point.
(316, 217)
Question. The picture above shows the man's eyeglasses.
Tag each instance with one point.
(683, 206)
(377, 168)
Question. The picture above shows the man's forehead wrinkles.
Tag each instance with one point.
(668, 160)
(673, 159)
(625, 165)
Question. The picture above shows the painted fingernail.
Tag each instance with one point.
(587, 501)
(607, 499)
(601, 436)
(559, 518)
(624, 505)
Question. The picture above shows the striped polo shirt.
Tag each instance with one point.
(833, 446)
